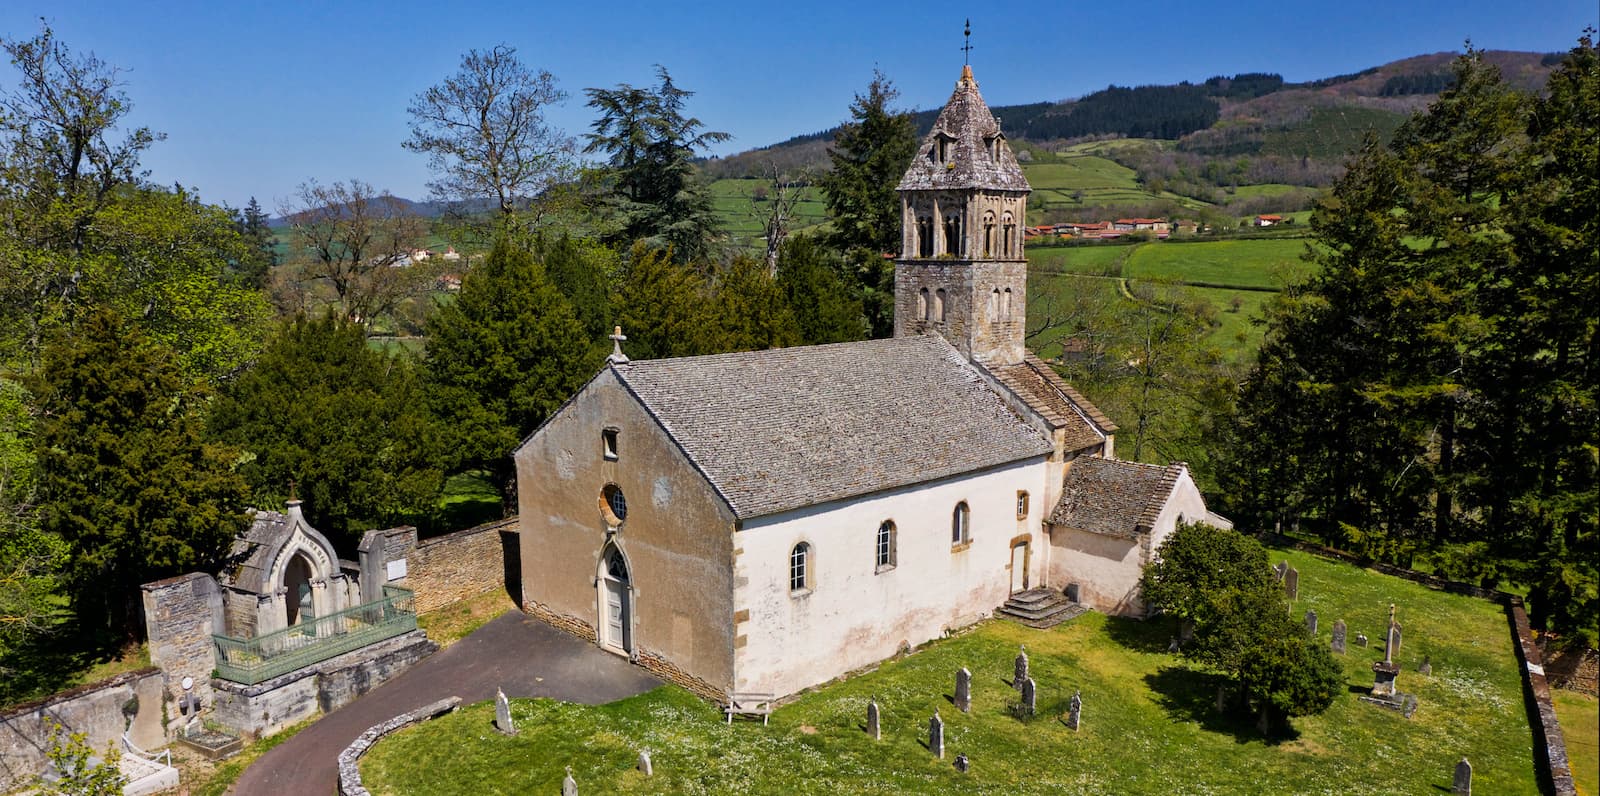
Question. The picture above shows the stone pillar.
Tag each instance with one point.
(181, 614)
(382, 557)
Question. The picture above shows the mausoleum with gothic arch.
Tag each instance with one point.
(766, 521)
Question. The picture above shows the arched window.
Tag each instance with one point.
(800, 567)
(960, 528)
(922, 304)
(1005, 304)
(613, 504)
(925, 237)
(938, 305)
(953, 244)
(886, 544)
(988, 234)
(1009, 226)
(994, 304)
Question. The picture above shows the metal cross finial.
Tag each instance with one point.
(966, 47)
(291, 489)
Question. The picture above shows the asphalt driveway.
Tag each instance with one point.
(514, 652)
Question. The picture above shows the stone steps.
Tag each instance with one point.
(1040, 608)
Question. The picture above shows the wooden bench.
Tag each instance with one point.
(750, 704)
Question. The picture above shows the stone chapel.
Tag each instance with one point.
(767, 521)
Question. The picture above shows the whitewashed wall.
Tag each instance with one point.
(854, 616)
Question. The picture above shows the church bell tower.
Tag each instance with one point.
(963, 204)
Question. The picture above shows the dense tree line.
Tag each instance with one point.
(1430, 395)
(1140, 112)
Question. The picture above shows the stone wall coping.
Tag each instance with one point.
(72, 693)
(350, 758)
(1549, 745)
(172, 581)
(497, 525)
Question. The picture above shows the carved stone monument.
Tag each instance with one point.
(502, 714)
(569, 786)
(645, 767)
(1074, 711)
(1462, 784)
(1020, 671)
(872, 719)
(964, 690)
(936, 735)
(1338, 637)
(1311, 623)
(961, 763)
(1291, 582)
(1030, 697)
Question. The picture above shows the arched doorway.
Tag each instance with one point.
(616, 603)
(1019, 566)
(297, 600)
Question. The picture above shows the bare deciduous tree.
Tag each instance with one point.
(361, 242)
(775, 204)
(485, 134)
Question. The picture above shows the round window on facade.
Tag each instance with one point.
(614, 504)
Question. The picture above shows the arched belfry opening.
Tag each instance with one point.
(614, 588)
(963, 200)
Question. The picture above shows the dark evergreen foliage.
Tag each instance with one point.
(1142, 112)
(821, 291)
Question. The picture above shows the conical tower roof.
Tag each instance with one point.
(967, 127)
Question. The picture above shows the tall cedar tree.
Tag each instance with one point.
(501, 357)
(342, 422)
(819, 291)
(1432, 388)
(126, 476)
(656, 192)
(870, 154)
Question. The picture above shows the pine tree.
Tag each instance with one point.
(870, 154)
(501, 357)
(127, 479)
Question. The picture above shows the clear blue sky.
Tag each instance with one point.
(258, 97)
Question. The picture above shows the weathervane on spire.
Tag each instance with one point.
(966, 48)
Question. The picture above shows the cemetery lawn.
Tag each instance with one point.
(1580, 728)
(1148, 720)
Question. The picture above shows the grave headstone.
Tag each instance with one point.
(1409, 705)
(1462, 784)
(569, 786)
(1279, 570)
(644, 763)
(1291, 583)
(936, 735)
(1361, 640)
(1173, 646)
(1311, 623)
(502, 713)
(872, 719)
(1338, 637)
(961, 763)
(1020, 671)
(964, 690)
(1426, 667)
(1030, 697)
(1074, 711)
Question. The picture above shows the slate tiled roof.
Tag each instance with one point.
(254, 551)
(1063, 407)
(1114, 498)
(791, 427)
(967, 120)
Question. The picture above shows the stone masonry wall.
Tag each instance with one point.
(453, 567)
(180, 615)
(103, 711)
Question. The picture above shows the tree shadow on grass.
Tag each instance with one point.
(52, 660)
(1189, 695)
(1148, 635)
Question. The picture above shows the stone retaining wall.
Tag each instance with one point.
(1549, 747)
(350, 758)
(440, 570)
(103, 711)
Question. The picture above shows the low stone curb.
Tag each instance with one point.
(350, 758)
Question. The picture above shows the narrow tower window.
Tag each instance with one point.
(938, 305)
(925, 236)
(922, 304)
(1005, 304)
(988, 235)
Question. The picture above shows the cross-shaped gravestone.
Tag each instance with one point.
(1020, 671)
(936, 735)
(1030, 697)
(1074, 711)
(1338, 636)
(617, 357)
(872, 719)
(1291, 582)
(1311, 623)
(964, 690)
(1462, 784)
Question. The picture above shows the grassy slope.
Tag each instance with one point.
(1580, 727)
(1245, 263)
(1148, 722)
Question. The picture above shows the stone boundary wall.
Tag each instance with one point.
(350, 758)
(450, 568)
(99, 710)
(1549, 746)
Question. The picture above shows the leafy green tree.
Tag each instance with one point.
(501, 357)
(870, 154)
(582, 269)
(753, 313)
(77, 771)
(343, 423)
(819, 292)
(127, 479)
(655, 191)
(665, 309)
(30, 559)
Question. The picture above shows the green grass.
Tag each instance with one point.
(468, 500)
(1243, 263)
(1580, 727)
(1092, 259)
(743, 219)
(1149, 725)
(1236, 335)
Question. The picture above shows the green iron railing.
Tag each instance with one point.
(253, 660)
